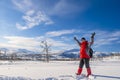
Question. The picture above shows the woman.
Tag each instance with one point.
(84, 57)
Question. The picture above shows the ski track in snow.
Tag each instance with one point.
(63, 77)
(22, 78)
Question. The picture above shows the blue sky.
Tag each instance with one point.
(24, 23)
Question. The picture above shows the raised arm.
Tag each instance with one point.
(92, 38)
(77, 41)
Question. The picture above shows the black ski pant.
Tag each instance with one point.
(84, 61)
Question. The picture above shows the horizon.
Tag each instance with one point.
(25, 23)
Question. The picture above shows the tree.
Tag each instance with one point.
(46, 48)
(13, 56)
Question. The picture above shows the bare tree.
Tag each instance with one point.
(46, 48)
(13, 56)
(0, 54)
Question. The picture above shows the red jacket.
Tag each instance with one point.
(83, 50)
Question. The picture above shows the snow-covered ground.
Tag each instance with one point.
(56, 70)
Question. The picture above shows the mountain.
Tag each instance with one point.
(101, 54)
(4, 49)
(17, 51)
(72, 53)
(25, 51)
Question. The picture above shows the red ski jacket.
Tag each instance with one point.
(83, 50)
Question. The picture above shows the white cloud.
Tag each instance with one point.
(65, 7)
(21, 27)
(106, 41)
(57, 43)
(60, 7)
(30, 12)
(102, 38)
(20, 42)
(32, 43)
(106, 38)
(61, 32)
(39, 12)
(115, 34)
(32, 17)
(23, 5)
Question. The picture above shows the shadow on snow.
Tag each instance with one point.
(114, 77)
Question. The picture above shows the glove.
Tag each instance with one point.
(75, 38)
(93, 34)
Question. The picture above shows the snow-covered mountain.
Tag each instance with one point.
(72, 53)
(25, 51)
(4, 49)
(18, 51)
(101, 54)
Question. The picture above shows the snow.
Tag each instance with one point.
(56, 70)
